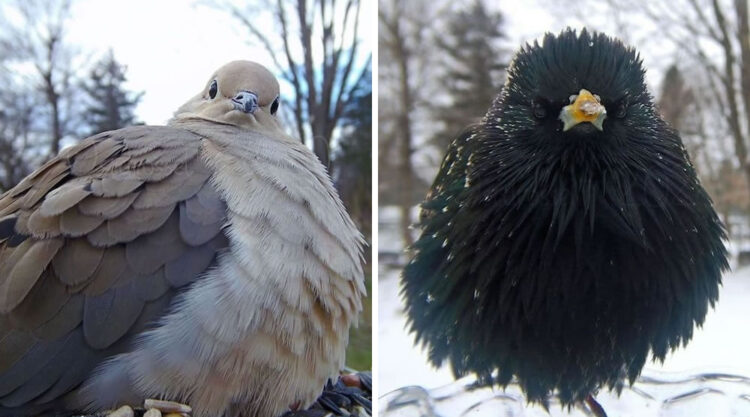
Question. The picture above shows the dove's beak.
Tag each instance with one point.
(584, 107)
(246, 101)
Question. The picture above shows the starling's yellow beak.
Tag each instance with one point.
(584, 107)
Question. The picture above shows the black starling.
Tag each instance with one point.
(566, 235)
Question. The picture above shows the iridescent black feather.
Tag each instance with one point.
(564, 258)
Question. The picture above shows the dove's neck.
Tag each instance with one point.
(264, 124)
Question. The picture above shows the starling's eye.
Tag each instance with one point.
(622, 109)
(539, 109)
(275, 105)
(213, 89)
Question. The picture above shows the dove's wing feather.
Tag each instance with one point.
(93, 246)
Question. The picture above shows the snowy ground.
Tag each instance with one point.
(721, 346)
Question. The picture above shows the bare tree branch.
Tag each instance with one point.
(39, 40)
(293, 70)
(324, 84)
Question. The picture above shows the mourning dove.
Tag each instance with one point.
(209, 262)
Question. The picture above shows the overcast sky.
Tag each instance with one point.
(531, 19)
(171, 47)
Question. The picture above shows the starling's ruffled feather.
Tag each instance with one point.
(563, 258)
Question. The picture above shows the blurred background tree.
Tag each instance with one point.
(404, 32)
(109, 105)
(705, 87)
(44, 88)
(36, 64)
(316, 50)
(352, 159)
(442, 63)
(472, 69)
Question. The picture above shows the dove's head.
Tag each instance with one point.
(241, 93)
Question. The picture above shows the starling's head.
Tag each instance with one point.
(574, 85)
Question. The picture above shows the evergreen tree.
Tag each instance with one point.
(475, 69)
(109, 106)
(352, 161)
(351, 168)
(676, 98)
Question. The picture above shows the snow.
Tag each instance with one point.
(685, 384)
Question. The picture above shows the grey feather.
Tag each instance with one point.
(112, 269)
(21, 275)
(64, 197)
(16, 240)
(143, 137)
(194, 233)
(107, 208)
(206, 207)
(13, 344)
(193, 262)
(49, 374)
(73, 223)
(29, 365)
(42, 185)
(107, 317)
(87, 160)
(67, 319)
(76, 262)
(83, 362)
(151, 287)
(43, 302)
(184, 183)
(7, 227)
(41, 226)
(9, 232)
(129, 225)
(50, 169)
(115, 185)
(148, 252)
(152, 173)
(22, 221)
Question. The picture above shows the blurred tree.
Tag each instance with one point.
(402, 29)
(352, 161)
(318, 42)
(729, 191)
(473, 69)
(681, 107)
(33, 37)
(678, 104)
(109, 105)
(700, 29)
(714, 38)
(676, 99)
(16, 110)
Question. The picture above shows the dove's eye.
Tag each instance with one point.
(213, 89)
(275, 106)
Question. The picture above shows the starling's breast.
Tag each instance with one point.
(552, 278)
